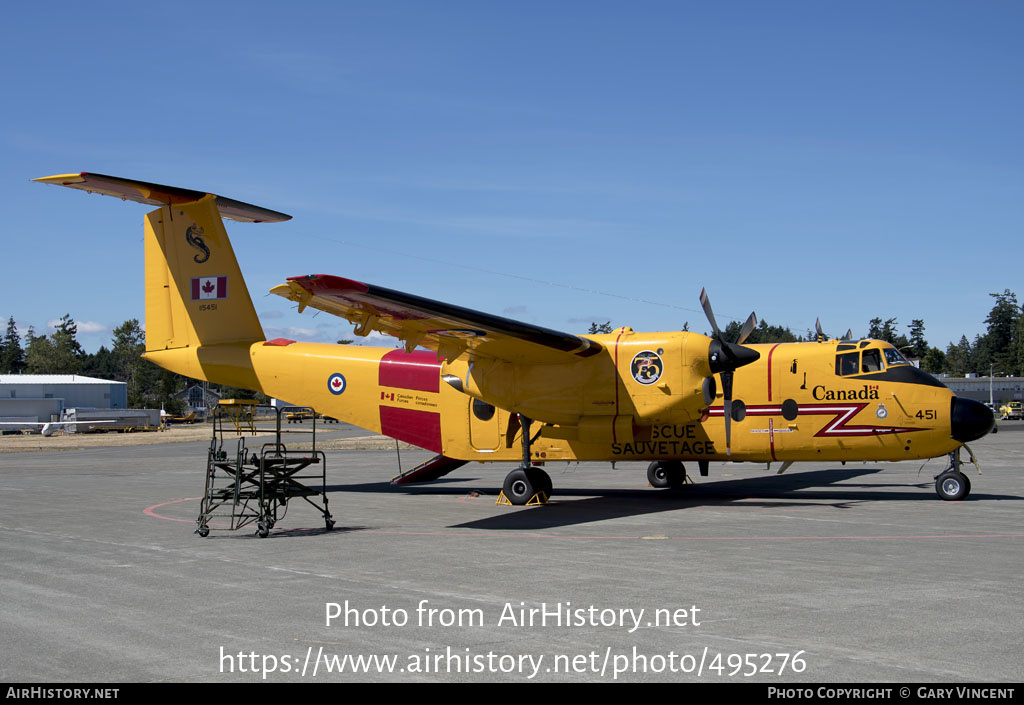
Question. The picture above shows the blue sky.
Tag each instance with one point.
(558, 163)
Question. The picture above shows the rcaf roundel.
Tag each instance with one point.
(336, 383)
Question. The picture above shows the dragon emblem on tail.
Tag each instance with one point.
(194, 237)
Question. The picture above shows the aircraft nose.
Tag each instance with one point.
(969, 420)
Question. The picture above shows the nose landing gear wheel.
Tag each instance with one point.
(952, 486)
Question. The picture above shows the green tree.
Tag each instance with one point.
(998, 349)
(128, 345)
(596, 328)
(1018, 347)
(918, 345)
(39, 354)
(958, 357)
(12, 356)
(933, 361)
(887, 331)
(100, 364)
(762, 333)
(68, 354)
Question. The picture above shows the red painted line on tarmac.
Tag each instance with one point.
(148, 511)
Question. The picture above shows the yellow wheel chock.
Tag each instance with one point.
(538, 499)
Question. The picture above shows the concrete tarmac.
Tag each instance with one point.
(829, 573)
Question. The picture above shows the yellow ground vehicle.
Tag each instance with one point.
(1012, 410)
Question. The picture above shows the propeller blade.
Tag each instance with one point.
(724, 358)
(849, 334)
(817, 327)
(747, 329)
(706, 305)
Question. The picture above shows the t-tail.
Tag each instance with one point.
(200, 320)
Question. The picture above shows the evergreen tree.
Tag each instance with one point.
(68, 354)
(128, 346)
(100, 364)
(886, 331)
(12, 356)
(918, 345)
(39, 354)
(596, 327)
(998, 349)
(958, 357)
(934, 361)
(762, 333)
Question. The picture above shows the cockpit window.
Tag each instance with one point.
(893, 357)
(847, 364)
(871, 361)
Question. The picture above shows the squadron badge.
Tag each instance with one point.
(646, 367)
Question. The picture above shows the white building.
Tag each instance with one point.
(40, 397)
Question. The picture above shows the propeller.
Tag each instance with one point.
(821, 335)
(725, 358)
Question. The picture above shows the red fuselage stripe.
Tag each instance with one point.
(418, 371)
(421, 428)
(770, 352)
(616, 381)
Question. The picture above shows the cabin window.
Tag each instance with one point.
(847, 364)
(893, 357)
(871, 361)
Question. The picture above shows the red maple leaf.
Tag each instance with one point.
(208, 287)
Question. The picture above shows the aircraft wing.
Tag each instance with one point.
(449, 330)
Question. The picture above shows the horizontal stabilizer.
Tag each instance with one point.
(159, 195)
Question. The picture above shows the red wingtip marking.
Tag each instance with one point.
(326, 283)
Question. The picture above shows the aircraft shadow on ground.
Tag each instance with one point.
(244, 534)
(774, 492)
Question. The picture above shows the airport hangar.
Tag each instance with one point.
(1001, 389)
(42, 398)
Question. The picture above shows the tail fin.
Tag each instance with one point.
(195, 294)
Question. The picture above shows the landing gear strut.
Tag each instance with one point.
(528, 484)
(952, 485)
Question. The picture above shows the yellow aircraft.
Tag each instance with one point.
(470, 386)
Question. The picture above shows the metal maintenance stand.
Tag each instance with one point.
(245, 487)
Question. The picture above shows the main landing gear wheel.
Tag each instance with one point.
(666, 474)
(522, 484)
(952, 486)
(541, 480)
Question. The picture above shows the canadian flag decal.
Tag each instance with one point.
(206, 288)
